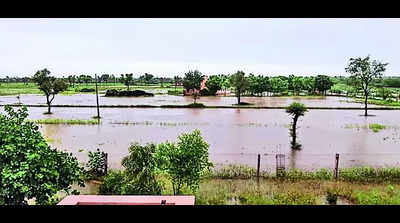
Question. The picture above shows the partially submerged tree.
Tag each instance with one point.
(363, 72)
(29, 168)
(49, 85)
(240, 83)
(295, 110)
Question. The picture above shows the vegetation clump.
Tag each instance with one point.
(138, 177)
(96, 165)
(375, 127)
(50, 121)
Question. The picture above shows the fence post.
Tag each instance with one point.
(258, 168)
(280, 165)
(105, 163)
(336, 171)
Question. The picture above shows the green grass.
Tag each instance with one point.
(66, 122)
(7, 89)
(354, 174)
(379, 102)
(376, 127)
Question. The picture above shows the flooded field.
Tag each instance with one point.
(90, 99)
(234, 135)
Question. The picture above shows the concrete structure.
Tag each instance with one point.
(126, 200)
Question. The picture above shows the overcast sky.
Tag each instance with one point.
(168, 47)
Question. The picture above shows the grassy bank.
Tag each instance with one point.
(50, 121)
(236, 184)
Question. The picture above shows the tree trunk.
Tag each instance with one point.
(294, 131)
(48, 104)
(365, 102)
(238, 97)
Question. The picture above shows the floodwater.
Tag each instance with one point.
(90, 99)
(234, 135)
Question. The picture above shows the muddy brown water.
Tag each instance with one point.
(234, 135)
(90, 99)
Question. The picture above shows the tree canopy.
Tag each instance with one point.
(29, 168)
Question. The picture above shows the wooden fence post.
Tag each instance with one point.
(258, 168)
(336, 171)
(105, 163)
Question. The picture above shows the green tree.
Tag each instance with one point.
(192, 80)
(185, 162)
(225, 82)
(29, 168)
(213, 84)
(49, 85)
(140, 166)
(308, 84)
(240, 83)
(278, 85)
(148, 77)
(127, 79)
(297, 85)
(323, 83)
(295, 110)
(363, 72)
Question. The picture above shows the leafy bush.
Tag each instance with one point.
(185, 162)
(29, 167)
(331, 196)
(96, 164)
(138, 178)
(112, 184)
(140, 166)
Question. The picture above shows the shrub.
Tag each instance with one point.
(112, 184)
(185, 162)
(96, 164)
(331, 196)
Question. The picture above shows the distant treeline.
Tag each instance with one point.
(388, 81)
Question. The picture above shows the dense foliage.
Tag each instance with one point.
(96, 165)
(192, 80)
(29, 168)
(138, 177)
(185, 162)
